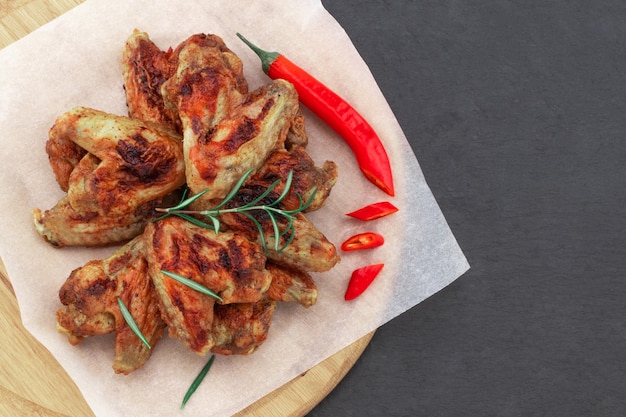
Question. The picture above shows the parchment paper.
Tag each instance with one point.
(75, 60)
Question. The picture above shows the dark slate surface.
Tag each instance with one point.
(516, 112)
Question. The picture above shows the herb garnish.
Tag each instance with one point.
(131, 323)
(197, 381)
(191, 284)
(271, 209)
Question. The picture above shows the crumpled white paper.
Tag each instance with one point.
(75, 60)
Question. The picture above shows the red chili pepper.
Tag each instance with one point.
(361, 279)
(361, 241)
(336, 112)
(374, 211)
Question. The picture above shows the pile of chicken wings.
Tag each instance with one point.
(192, 123)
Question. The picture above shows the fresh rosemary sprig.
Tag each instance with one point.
(191, 284)
(197, 381)
(131, 323)
(271, 209)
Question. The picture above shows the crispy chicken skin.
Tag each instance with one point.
(226, 263)
(239, 329)
(242, 140)
(307, 178)
(132, 162)
(207, 84)
(90, 307)
(145, 68)
(291, 285)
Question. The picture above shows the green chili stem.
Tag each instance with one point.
(267, 58)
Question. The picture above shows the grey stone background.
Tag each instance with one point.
(516, 113)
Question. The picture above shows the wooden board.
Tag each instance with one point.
(33, 383)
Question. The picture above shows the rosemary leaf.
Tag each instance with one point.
(290, 232)
(259, 227)
(191, 284)
(235, 189)
(285, 190)
(302, 206)
(197, 381)
(216, 223)
(131, 323)
(187, 201)
(215, 226)
(277, 233)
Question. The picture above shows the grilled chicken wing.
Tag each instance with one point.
(128, 168)
(90, 296)
(226, 130)
(239, 329)
(63, 226)
(291, 285)
(145, 68)
(309, 250)
(242, 140)
(226, 263)
(135, 162)
(207, 83)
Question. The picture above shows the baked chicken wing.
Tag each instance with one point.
(207, 83)
(89, 297)
(145, 68)
(217, 157)
(309, 250)
(135, 162)
(226, 263)
(63, 226)
(128, 167)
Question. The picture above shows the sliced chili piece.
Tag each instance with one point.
(374, 211)
(367, 240)
(336, 112)
(361, 279)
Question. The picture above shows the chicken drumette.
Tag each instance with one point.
(91, 308)
(226, 263)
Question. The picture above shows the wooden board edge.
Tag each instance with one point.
(300, 395)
